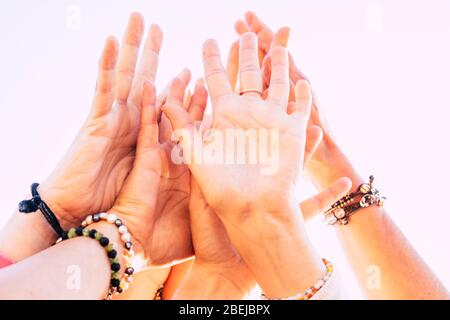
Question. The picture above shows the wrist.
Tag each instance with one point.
(138, 245)
(39, 236)
(204, 283)
(51, 195)
(283, 262)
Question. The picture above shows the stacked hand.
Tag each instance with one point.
(93, 171)
(125, 159)
(328, 162)
(219, 187)
(254, 207)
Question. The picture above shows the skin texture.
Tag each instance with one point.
(139, 194)
(219, 272)
(52, 274)
(121, 158)
(153, 199)
(91, 174)
(256, 208)
(371, 239)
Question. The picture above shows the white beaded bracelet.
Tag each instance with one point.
(308, 294)
(125, 236)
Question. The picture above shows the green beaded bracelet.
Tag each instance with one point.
(111, 253)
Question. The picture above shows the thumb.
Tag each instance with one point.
(185, 133)
(322, 201)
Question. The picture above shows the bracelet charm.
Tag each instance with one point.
(366, 196)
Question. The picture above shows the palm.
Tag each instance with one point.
(106, 152)
(93, 171)
(157, 207)
(171, 237)
(253, 181)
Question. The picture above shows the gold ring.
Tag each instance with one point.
(250, 91)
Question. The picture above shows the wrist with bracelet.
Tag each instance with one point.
(366, 196)
(118, 283)
(308, 294)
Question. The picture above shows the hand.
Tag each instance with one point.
(328, 162)
(243, 185)
(214, 251)
(94, 169)
(256, 205)
(154, 200)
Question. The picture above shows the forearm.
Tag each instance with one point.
(203, 284)
(384, 262)
(39, 234)
(25, 235)
(372, 242)
(74, 269)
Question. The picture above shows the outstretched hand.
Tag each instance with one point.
(242, 184)
(326, 161)
(92, 173)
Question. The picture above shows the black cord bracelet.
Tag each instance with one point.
(35, 204)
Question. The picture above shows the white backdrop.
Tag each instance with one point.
(381, 70)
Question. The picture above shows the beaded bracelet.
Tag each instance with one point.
(111, 218)
(308, 294)
(110, 249)
(366, 196)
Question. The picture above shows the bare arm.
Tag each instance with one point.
(385, 263)
(74, 269)
(371, 241)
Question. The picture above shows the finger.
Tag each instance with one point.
(254, 22)
(177, 90)
(294, 73)
(292, 91)
(249, 69)
(148, 63)
(184, 130)
(265, 35)
(303, 100)
(104, 92)
(148, 134)
(161, 100)
(216, 77)
(279, 80)
(150, 56)
(281, 38)
(233, 65)
(128, 56)
(198, 102)
(323, 201)
(240, 27)
(178, 117)
(314, 137)
(184, 76)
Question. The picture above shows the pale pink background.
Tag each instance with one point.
(380, 68)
